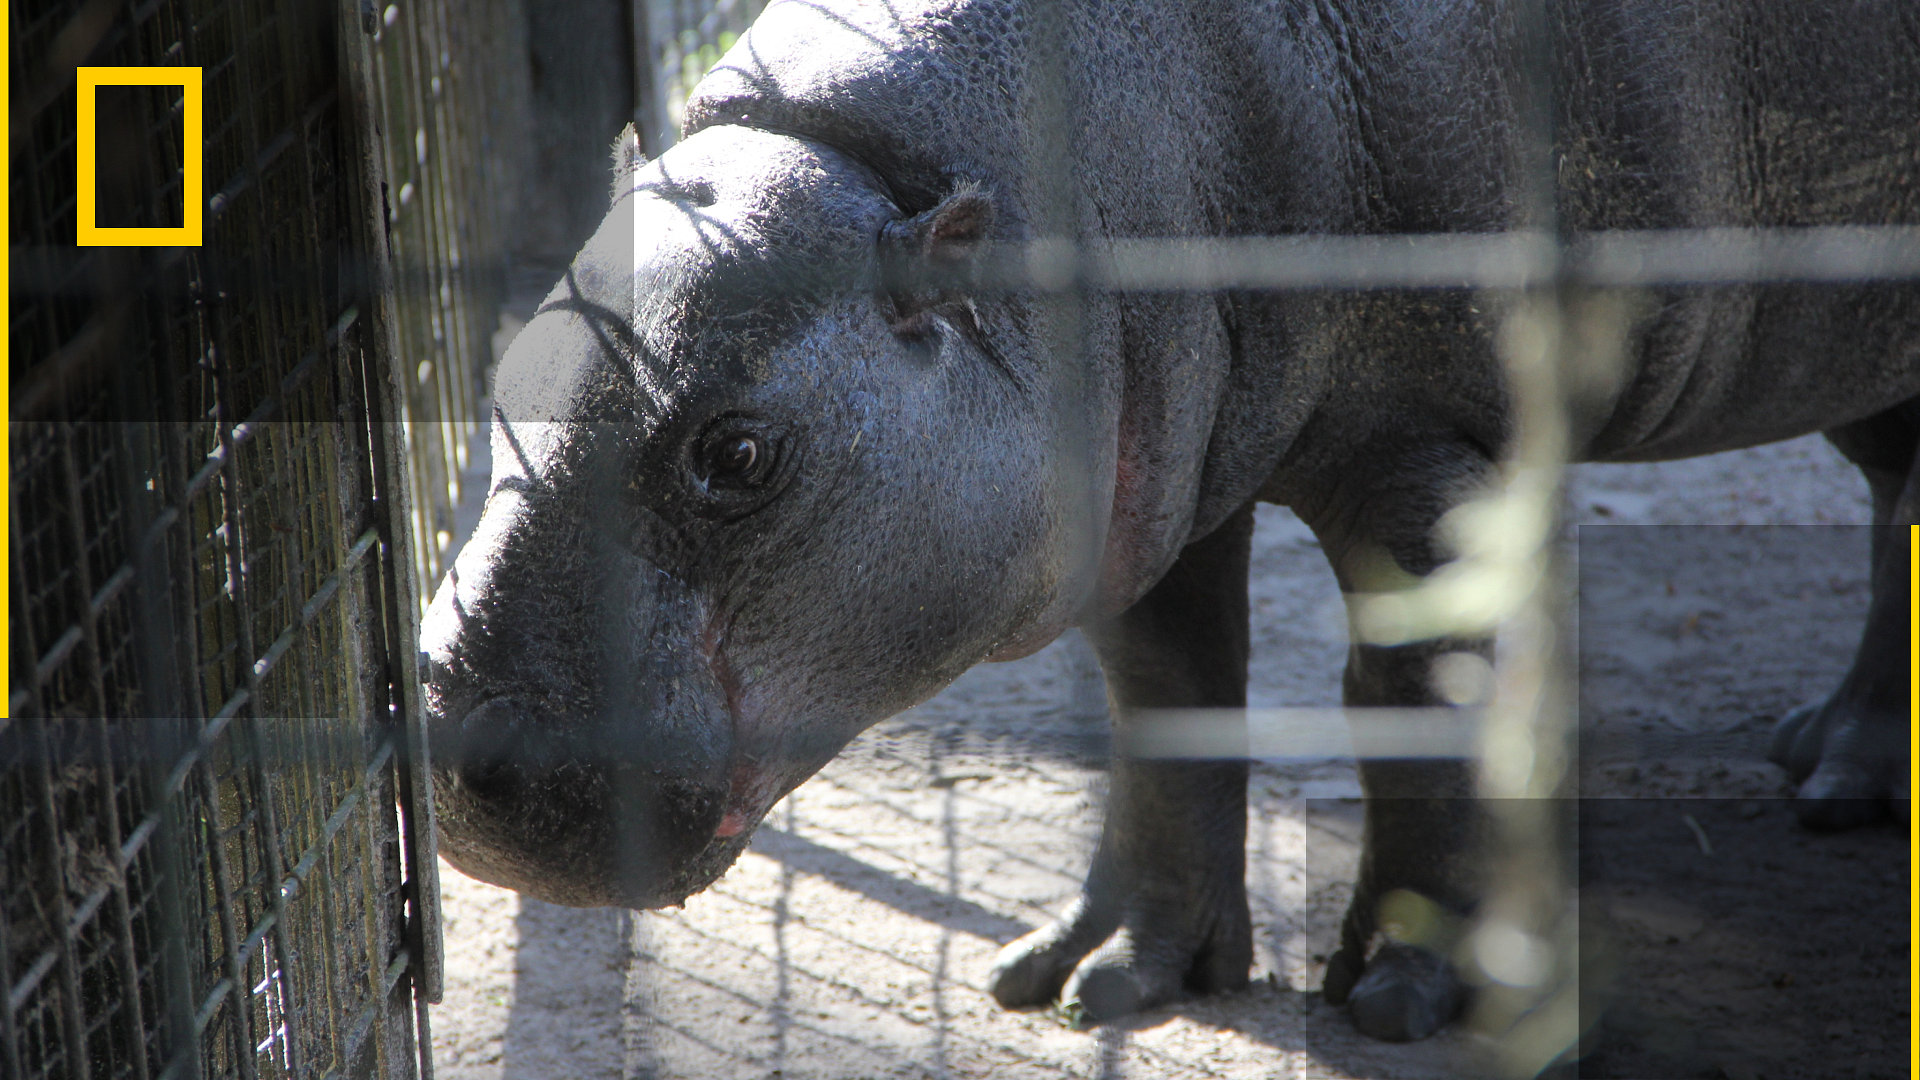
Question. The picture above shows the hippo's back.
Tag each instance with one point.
(1748, 115)
(1356, 116)
(1663, 116)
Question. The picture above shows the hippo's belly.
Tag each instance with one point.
(1715, 369)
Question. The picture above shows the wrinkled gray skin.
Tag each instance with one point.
(752, 494)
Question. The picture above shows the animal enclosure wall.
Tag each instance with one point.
(216, 856)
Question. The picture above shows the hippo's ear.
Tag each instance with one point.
(627, 160)
(950, 235)
(928, 260)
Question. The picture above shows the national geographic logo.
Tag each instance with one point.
(90, 232)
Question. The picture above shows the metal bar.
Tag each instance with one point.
(65, 959)
(387, 978)
(27, 702)
(373, 871)
(316, 604)
(9, 1032)
(17, 997)
(273, 925)
(388, 471)
(1495, 260)
(125, 955)
(422, 1033)
(240, 603)
(293, 882)
(309, 612)
(236, 976)
(62, 648)
(280, 962)
(662, 46)
(1509, 260)
(176, 970)
(382, 758)
(244, 431)
(203, 1016)
(247, 178)
(82, 570)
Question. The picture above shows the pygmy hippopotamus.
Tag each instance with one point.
(776, 460)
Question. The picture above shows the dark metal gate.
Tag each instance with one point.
(216, 851)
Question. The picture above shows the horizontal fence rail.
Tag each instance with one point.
(1510, 260)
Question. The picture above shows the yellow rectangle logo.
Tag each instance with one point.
(90, 234)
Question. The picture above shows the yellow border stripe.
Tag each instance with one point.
(192, 154)
(6, 379)
(1913, 781)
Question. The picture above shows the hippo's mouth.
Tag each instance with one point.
(527, 802)
(556, 848)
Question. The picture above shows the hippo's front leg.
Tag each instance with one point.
(1419, 838)
(1423, 828)
(1164, 909)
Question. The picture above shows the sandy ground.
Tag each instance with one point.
(853, 939)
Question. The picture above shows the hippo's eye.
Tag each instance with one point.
(730, 456)
(734, 458)
(738, 464)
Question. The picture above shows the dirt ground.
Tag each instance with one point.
(853, 939)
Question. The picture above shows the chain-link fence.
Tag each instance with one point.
(230, 466)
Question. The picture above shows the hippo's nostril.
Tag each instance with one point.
(487, 748)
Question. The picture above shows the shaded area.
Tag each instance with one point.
(571, 962)
(1744, 945)
(1781, 954)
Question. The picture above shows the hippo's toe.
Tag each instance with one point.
(1123, 977)
(1103, 965)
(1841, 795)
(1407, 993)
(1030, 970)
(1847, 760)
(1115, 986)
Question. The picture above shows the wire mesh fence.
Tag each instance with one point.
(217, 851)
(234, 466)
(449, 176)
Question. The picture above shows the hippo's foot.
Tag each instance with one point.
(1848, 760)
(1101, 968)
(1404, 992)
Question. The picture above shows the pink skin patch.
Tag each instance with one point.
(748, 797)
(1120, 564)
(743, 789)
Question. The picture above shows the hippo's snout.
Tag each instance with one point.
(565, 812)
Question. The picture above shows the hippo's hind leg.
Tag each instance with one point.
(1164, 909)
(1849, 752)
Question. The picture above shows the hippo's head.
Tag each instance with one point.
(762, 476)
